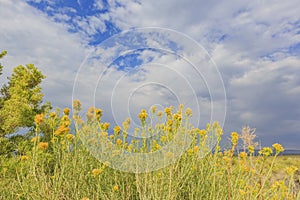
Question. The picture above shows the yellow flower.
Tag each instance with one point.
(143, 115)
(153, 109)
(188, 112)
(243, 155)
(117, 130)
(202, 132)
(159, 113)
(115, 188)
(38, 119)
(251, 149)
(291, 170)
(196, 148)
(278, 147)
(52, 114)
(24, 157)
(43, 145)
(85, 198)
(119, 142)
(168, 110)
(66, 111)
(163, 138)
(76, 105)
(70, 136)
(266, 151)
(234, 138)
(105, 126)
(96, 172)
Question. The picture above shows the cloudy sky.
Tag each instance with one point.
(234, 61)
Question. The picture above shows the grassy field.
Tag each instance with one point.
(48, 169)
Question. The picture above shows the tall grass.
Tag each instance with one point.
(62, 166)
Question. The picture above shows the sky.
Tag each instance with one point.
(237, 62)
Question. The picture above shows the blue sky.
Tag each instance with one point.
(254, 44)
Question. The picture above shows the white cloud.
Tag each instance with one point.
(29, 37)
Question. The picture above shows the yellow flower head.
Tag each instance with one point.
(53, 115)
(117, 130)
(115, 188)
(153, 109)
(202, 132)
(234, 138)
(266, 151)
(168, 110)
(278, 148)
(105, 126)
(96, 172)
(66, 111)
(43, 145)
(119, 142)
(291, 170)
(188, 112)
(24, 157)
(76, 105)
(70, 136)
(38, 119)
(143, 115)
(243, 155)
(159, 113)
(251, 149)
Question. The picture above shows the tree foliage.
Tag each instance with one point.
(21, 99)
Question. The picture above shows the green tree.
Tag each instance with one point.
(21, 99)
(2, 54)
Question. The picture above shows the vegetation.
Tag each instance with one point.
(67, 157)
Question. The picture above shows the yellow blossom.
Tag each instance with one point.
(188, 112)
(38, 119)
(105, 126)
(96, 172)
(168, 110)
(291, 170)
(35, 139)
(143, 115)
(266, 151)
(278, 147)
(66, 111)
(70, 136)
(234, 138)
(52, 114)
(77, 105)
(243, 155)
(117, 130)
(153, 109)
(115, 188)
(43, 145)
(119, 142)
(251, 149)
(159, 113)
(24, 157)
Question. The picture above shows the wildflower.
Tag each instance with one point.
(251, 149)
(66, 111)
(234, 138)
(291, 170)
(126, 124)
(177, 117)
(163, 138)
(117, 130)
(188, 112)
(278, 147)
(24, 157)
(43, 145)
(168, 110)
(153, 109)
(70, 136)
(115, 188)
(85, 198)
(202, 132)
(105, 126)
(106, 163)
(196, 148)
(76, 105)
(38, 119)
(243, 155)
(159, 113)
(98, 114)
(266, 151)
(53, 115)
(190, 151)
(96, 172)
(119, 142)
(143, 115)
